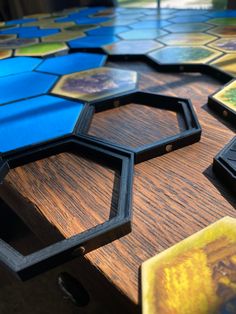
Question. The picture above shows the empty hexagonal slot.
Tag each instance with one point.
(66, 195)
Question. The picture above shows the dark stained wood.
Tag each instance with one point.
(231, 4)
(174, 195)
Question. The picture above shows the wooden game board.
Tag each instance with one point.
(174, 195)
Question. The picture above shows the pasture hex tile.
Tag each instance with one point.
(42, 49)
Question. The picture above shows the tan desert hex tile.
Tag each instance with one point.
(223, 31)
(195, 276)
(5, 54)
(227, 63)
(6, 37)
(96, 84)
(227, 96)
(63, 36)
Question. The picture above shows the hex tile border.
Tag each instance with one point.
(26, 267)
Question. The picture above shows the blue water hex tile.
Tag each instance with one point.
(21, 21)
(95, 20)
(72, 63)
(19, 30)
(24, 85)
(150, 24)
(37, 120)
(138, 34)
(189, 19)
(108, 30)
(92, 41)
(226, 13)
(38, 33)
(191, 12)
(18, 65)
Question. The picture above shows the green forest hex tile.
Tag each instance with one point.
(5, 54)
(42, 49)
(80, 28)
(188, 27)
(63, 36)
(58, 25)
(227, 63)
(18, 43)
(227, 96)
(223, 21)
(6, 37)
(178, 55)
(187, 39)
(96, 84)
(223, 31)
(227, 45)
(142, 34)
(131, 47)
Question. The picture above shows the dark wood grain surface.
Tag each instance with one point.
(174, 195)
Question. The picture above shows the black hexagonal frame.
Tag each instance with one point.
(190, 135)
(28, 266)
(224, 165)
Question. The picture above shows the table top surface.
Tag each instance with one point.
(174, 195)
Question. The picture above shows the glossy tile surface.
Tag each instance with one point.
(142, 34)
(187, 39)
(24, 85)
(5, 54)
(226, 63)
(18, 42)
(42, 49)
(225, 44)
(96, 84)
(130, 47)
(46, 117)
(72, 63)
(227, 96)
(18, 65)
(188, 27)
(186, 54)
(202, 268)
(92, 41)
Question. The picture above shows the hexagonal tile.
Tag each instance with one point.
(18, 30)
(46, 117)
(178, 55)
(142, 34)
(63, 36)
(18, 42)
(189, 19)
(187, 39)
(227, 96)
(222, 31)
(19, 86)
(80, 28)
(6, 37)
(21, 21)
(226, 63)
(37, 33)
(38, 16)
(223, 13)
(55, 25)
(201, 267)
(5, 54)
(94, 20)
(92, 41)
(131, 47)
(118, 22)
(109, 30)
(225, 44)
(188, 27)
(150, 24)
(42, 49)
(17, 65)
(223, 21)
(72, 63)
(96, 84)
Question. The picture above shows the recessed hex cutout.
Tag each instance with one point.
(227, 45)
(22, 85)
(18, 42)
(224, 31)
(188, 27)
(96, 84)
(227, 63)
(224, 101)
(72, 63)
(63, 36)
(43, 49)
(178, 55)
(17, 65)
(38, 120)
(77, 226)
(223, 21)
(187, 39)
(132, 47)
(225, 164)
(146, 124)
(142, 34)
(200, 267)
